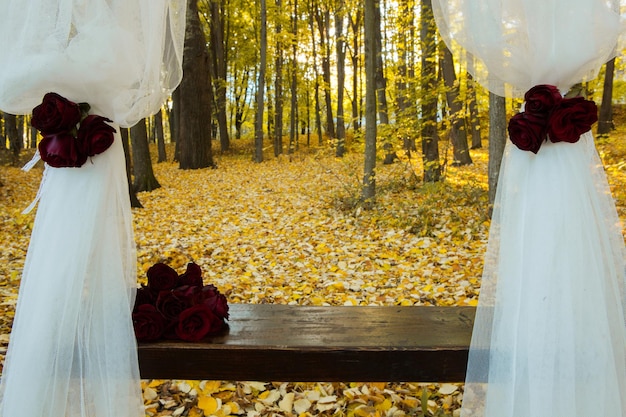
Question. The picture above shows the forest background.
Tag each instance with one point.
(317, 152)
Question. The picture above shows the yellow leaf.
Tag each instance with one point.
(234, 407)
(385, 405)
(209, 405)
(379, 385)
(195, 412)
(209, 387)
(155, 383)
(365, 411)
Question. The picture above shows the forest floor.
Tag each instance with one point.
(290, 231)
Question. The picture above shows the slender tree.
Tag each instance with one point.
(241, 96)
(314, 58)
(173, 116)
(605, 119)
(160, 136)
(260, 98)
(368, 193)
(142, 163)
(356, 22)
(322, 17)
(241, 37)
(405, 111)
(473, 121)
(12, 134)
(381, 80)
(458, 133)
(430, 148)
(340, 46)
(278, 83)
(134, 201)
(293, 124)
(219, 70)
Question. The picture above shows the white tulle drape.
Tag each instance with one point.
(549, 338)
(122, 57)
(518, 44)
(72, 351)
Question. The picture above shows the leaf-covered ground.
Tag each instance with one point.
(289, 231)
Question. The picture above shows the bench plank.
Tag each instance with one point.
(269, 342)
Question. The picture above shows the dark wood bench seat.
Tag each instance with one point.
(268, 342)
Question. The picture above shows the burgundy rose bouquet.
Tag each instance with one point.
(547, 115)
(176, 306)
(70, 135)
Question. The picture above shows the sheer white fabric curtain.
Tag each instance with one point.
(72, 351)
(523, 43)
(550, 336)
(123, 57)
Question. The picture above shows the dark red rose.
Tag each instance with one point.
(541, 99)
(197, 322)
(172, 303)
(191, 277)
(61, 150)
(161, 277)
(216, 302)
(144, 296)
(571, 118)
(148, 323)
(525, 133)
(55, 114)
(95, 135)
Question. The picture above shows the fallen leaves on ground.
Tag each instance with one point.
(255, 399)
(290, 231)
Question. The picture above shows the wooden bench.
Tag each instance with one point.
(268, 342)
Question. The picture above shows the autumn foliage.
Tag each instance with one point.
(290, 230)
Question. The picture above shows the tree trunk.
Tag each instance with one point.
(174, 122)
(605, 118)
(405, 111)
(134, 201)
(318, 111)
(258, 123)
(458, 133)
(241, 95)
(219, 71)
(160, 137)
(195, 97)
(381, 81)
(142, 164)
(368, 193)
(497, 141)
(473, 118)
(355, 23)
(278, 87)
(341, 77)
(293, 128)
(19, 123)
(430, 147)
(33, 138)
(323, 21)
(12, 134)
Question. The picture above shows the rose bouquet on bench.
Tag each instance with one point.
(173, 306)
